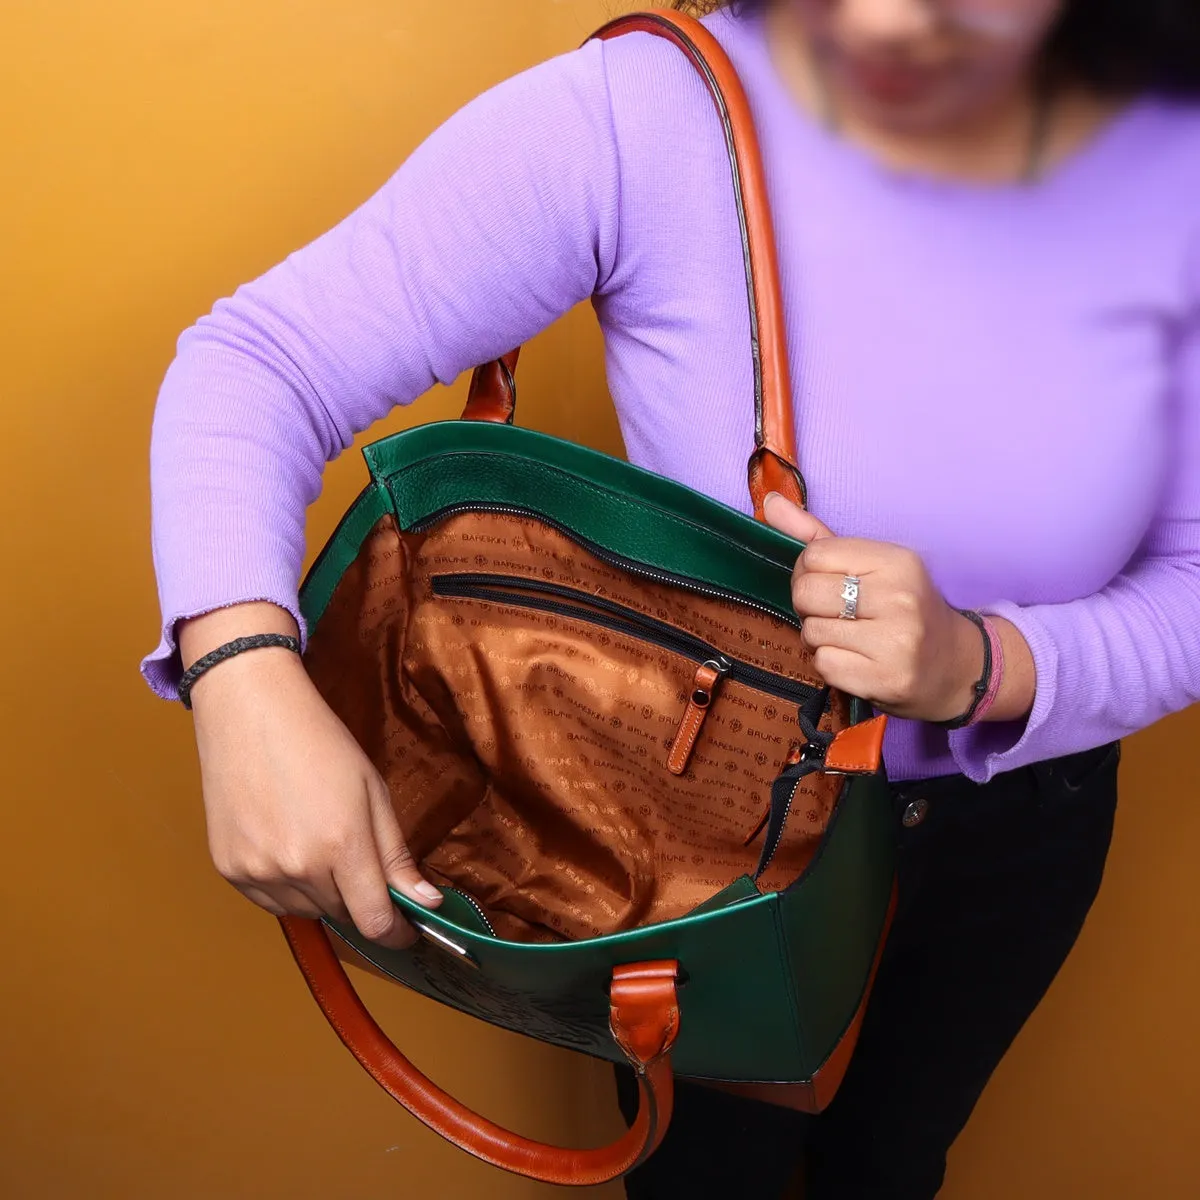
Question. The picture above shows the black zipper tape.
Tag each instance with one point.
(571, 603)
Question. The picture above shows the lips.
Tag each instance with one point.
(891, 82)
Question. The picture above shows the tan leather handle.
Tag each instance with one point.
(643, 1016)
(493, 392)
(772, 466)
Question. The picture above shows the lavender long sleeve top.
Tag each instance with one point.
(1005, 379)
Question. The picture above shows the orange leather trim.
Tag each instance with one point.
(492, 395)
(857, 748)
(644, 1017)
(643, 1010)
(773, 465)
(776, 432)
(817, 1094)
(693, 719)
(768, 473)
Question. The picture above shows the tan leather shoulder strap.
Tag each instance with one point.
(773, 465)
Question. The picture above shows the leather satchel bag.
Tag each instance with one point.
(661, 839)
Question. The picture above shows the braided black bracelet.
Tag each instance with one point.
(253, 641)
(981, 687)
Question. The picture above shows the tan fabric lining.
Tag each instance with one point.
(526, 753)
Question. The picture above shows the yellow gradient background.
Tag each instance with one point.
(155, 1039)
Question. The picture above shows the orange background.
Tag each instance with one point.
(155, 1040)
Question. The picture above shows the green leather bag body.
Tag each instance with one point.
(661, 841)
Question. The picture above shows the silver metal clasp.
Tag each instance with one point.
(439, 939)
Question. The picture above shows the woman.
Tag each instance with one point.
(990, 255)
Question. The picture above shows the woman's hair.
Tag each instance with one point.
(1111, 45)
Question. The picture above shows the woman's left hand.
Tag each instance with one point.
(907, 651)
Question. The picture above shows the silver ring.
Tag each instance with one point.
(850, 585)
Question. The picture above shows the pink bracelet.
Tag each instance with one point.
(997, 652)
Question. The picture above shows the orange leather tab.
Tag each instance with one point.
(644, 1010)
(644, 1017)
(703, 686)
(858, 749)
(768, 472)
(493, 392)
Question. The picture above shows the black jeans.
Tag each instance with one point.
(995, 881)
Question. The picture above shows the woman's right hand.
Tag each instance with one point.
(299, 820)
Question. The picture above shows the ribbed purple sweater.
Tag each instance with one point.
(1005, 379)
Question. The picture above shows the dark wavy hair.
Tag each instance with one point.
(1111, 45)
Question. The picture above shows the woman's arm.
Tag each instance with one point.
(1077, 674)
(1112, 663)
(500, 222)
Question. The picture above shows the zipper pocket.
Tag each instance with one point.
(713, 666)
(604, 555)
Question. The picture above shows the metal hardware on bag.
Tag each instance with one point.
(814, 752)
(704, 687)
(722, 666)
(444, 943)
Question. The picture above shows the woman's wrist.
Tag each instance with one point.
(1018, 686)
(1008, 667)
(966, 653)
(200, 636)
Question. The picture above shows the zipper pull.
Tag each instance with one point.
(704, 686)
(801, 761)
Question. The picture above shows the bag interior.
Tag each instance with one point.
(523, 730)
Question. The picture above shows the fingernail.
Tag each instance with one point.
(768, 496)
(427, 890)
